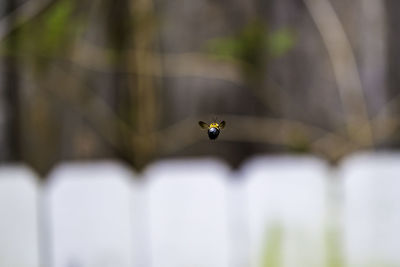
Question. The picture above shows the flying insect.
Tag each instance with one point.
(213, 128)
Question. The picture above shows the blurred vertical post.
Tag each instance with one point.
(141, 62)
(10, 96)
(373, 43)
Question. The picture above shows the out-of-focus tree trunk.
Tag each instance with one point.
(144, 88)
(373, 53)
(393, 54)
(393, 74)
(10, 104)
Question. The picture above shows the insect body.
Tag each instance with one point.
(213, 129)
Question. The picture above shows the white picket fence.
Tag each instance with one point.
(274, 211)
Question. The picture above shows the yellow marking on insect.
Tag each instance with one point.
(214, 125)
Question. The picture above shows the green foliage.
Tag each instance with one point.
(248, 47)
(252, 46)
(46, 36)
(56, 26)
(280, 42)
(298, 142)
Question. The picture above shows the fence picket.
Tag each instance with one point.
(286, 211)
(372, 209)
(188, 214)
(89, 216)
(19, 238)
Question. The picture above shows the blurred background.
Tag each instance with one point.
(130, 79)
(300, 176)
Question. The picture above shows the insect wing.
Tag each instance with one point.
(203, 125)
(222, 124)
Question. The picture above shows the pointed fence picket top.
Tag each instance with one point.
(19, 238)
(188, 214)
(286, 204)
(372, 209)
(88, 216)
